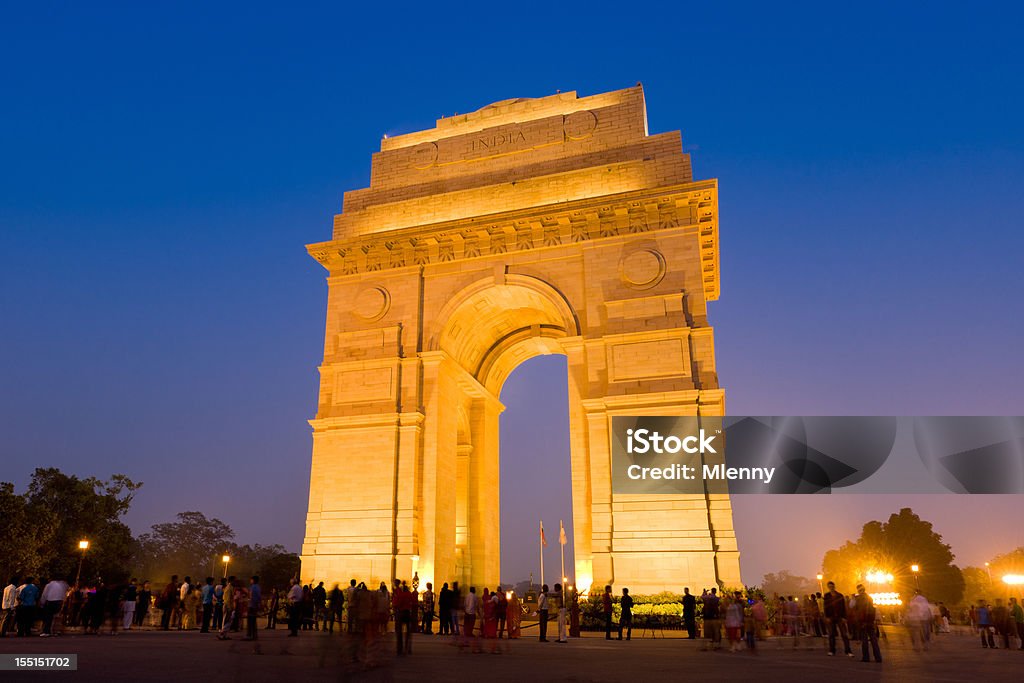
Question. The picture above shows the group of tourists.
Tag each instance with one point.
(476, 620)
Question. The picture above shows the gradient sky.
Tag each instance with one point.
(162, 168)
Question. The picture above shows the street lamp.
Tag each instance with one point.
(821, 588)
(1013, 579)
(225, 560)
(83, 545)
(917, 579)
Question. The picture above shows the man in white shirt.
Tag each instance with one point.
(294, 608)
(53, 596)
(10, 602)
(469, 617)
(542, 613)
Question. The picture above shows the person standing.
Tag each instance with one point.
(218, 604)
(52, 598)
(1017, 616)
(350, 611)
(689, 613)
(168, 601)
(28, 607)
(9, 606)
(985, 624)
(607, 611)
(542, 613)
(207, 598)
(273, 604)
(626, 617)
(335, 607)
(864, 616)
(835, 620)
(501, 609)
(428, 609)
(253, 613)
(230, 614)
(294, 608)
(444, 610)
(319, 605)
(563, 635)
(190, 607)
(515, 616)
(183, 592)
(456, 606)
(712, 619)
(128, 601)
(469, 618)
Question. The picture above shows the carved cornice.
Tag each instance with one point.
(574, 222)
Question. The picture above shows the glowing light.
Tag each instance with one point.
(83, 545)
(820, 577)
(876, 576)
(508, 595)
(225, 559)
(886, 599)
(1013, 579)
(915, 568)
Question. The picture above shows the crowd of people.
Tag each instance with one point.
(475, 620)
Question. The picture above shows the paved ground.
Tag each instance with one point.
(313, 656)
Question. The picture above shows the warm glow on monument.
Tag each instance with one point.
(445, 276)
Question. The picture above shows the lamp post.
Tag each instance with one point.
(83, 545)
(917, 579)
(226, 559)
(821, 587)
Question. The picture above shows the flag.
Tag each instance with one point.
(561, 533)
(543, 541)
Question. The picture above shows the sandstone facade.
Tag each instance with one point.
(531, 226)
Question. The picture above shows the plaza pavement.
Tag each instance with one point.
(314, 656)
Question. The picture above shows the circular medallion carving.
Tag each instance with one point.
(642, 269)
(424, 155)
(579, 125)
(371, 303)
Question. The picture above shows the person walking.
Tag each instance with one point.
(835, 620)
(689, 613)
(864, 616)
(469, 618)
(626, 616)
(514, 616)
(1017, 617)
(50, 601)
(28, 607)
(9, 606)
(319, 605)
(607, 611)
(542, 613)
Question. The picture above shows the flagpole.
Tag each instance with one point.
(542, 554)
(561, 548)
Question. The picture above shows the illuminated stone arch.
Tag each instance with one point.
(532, 226)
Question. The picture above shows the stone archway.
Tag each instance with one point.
(555, 225)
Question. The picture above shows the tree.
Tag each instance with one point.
(58, 510)
(977, 585)
(191, 546)
(893, 547)
(786, 583)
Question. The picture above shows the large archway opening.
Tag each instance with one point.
(536, 479)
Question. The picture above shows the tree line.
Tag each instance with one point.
(40, 530)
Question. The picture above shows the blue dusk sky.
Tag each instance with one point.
(164, 164)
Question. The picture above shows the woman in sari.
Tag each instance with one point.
(514, 616)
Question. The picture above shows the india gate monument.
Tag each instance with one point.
(554, 225)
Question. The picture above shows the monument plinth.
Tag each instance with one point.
(531, 226)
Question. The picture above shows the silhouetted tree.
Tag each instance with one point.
(892, 547)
